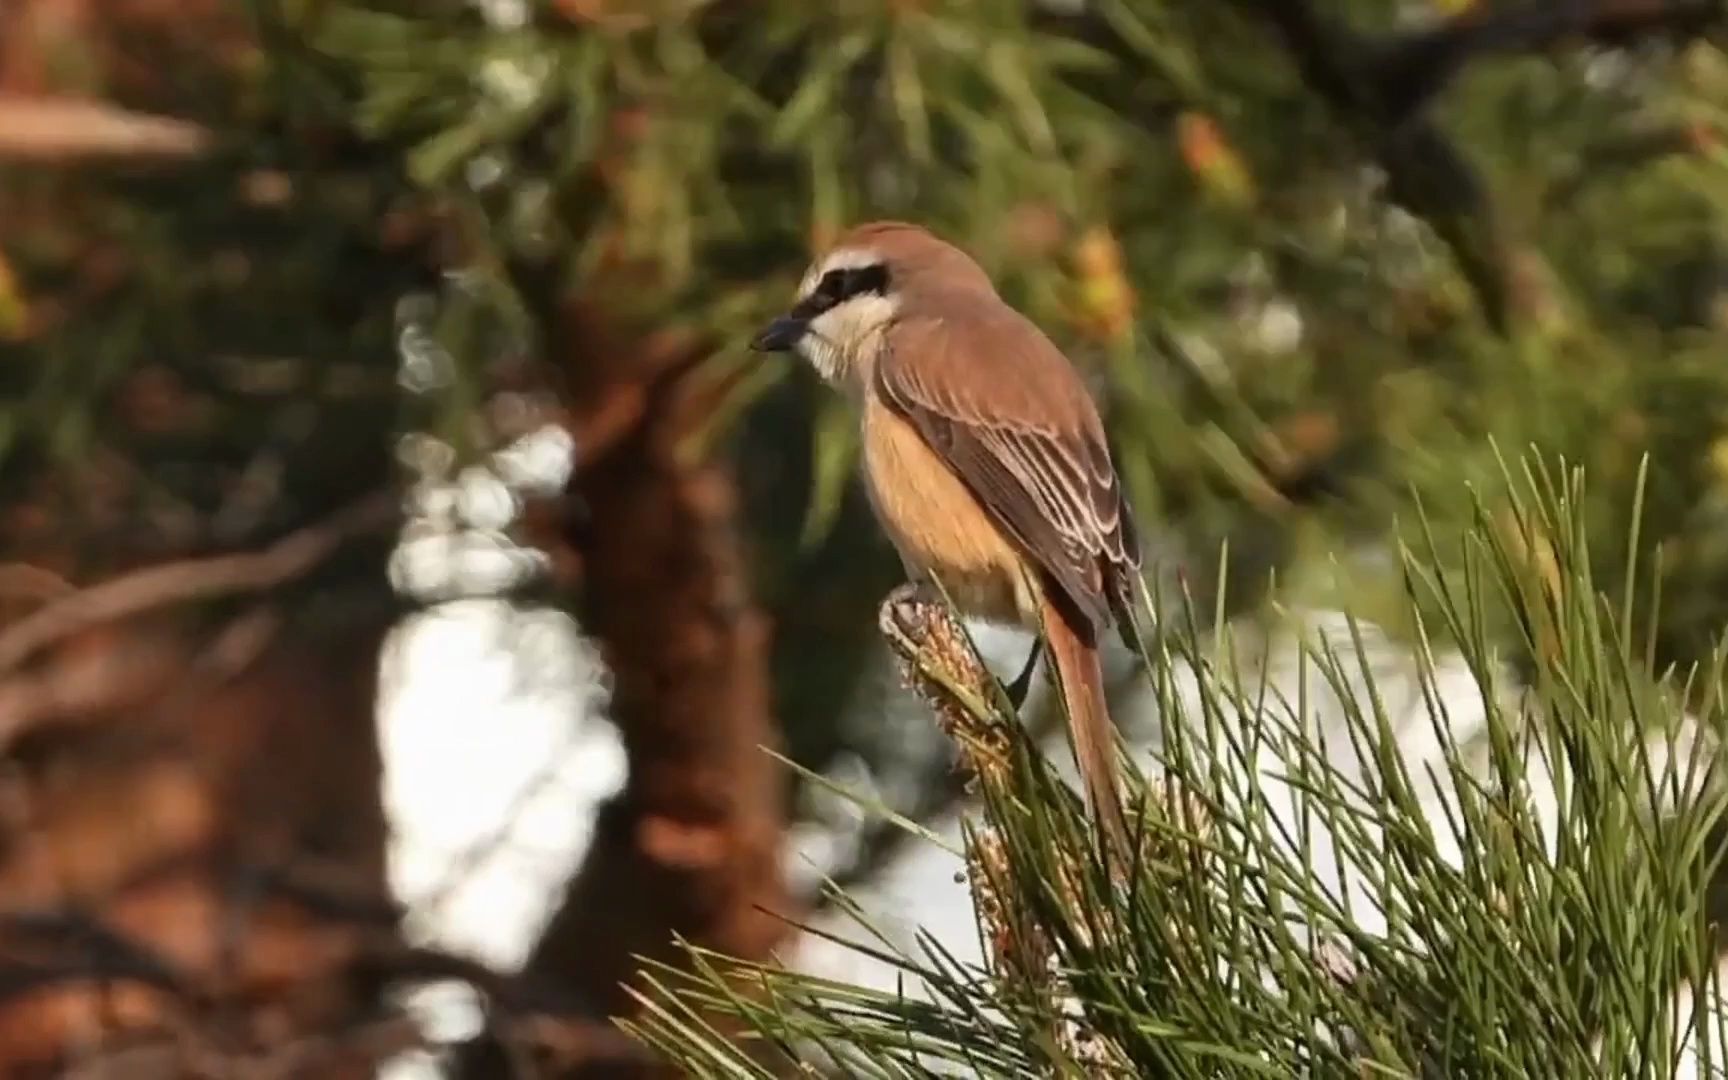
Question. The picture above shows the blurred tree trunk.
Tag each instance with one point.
(191, 845)
(692, 845)
(271, 769)
(192, 839)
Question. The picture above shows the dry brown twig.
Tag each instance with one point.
(52, 129)
(190, 580)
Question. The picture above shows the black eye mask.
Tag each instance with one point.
(838, 286)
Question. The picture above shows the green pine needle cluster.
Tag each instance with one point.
(1533, 903)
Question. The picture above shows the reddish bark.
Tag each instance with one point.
(168, 827)
(691, 847)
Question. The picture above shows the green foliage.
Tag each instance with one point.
(1167, 190)
(205, 351)
(1315, 900)
(1172, 190)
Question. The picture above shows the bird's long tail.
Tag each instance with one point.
(1081, 680)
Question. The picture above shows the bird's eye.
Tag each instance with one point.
(838, 286)
(832, 287)
(867, 279)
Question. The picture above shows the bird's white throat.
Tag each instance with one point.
(843, 341)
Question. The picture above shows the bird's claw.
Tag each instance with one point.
(1017, 690)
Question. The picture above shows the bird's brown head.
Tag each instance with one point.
(852, 293)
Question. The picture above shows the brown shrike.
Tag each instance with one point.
(983, 455)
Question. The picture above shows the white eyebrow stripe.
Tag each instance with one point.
(843, 259)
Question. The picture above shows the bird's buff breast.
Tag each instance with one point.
(938, 526)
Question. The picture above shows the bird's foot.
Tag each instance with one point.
(910, 613)
(936, 653)
(905, 605)
(919, 604)
(912, 592)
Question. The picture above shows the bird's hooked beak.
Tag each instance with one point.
(781, 334)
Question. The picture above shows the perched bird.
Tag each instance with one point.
(983, 455)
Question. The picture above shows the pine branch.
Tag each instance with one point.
(1305, 907)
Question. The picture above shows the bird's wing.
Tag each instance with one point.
(997, 401)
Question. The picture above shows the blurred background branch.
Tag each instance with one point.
(63, 130)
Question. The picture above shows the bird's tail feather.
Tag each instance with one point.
(1081, 680)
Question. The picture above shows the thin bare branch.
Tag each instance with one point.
(191, 580)
(56, 129)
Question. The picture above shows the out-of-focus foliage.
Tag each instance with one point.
(1173, 190)
(201, 350)
(1172, 193)
(405, 192)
